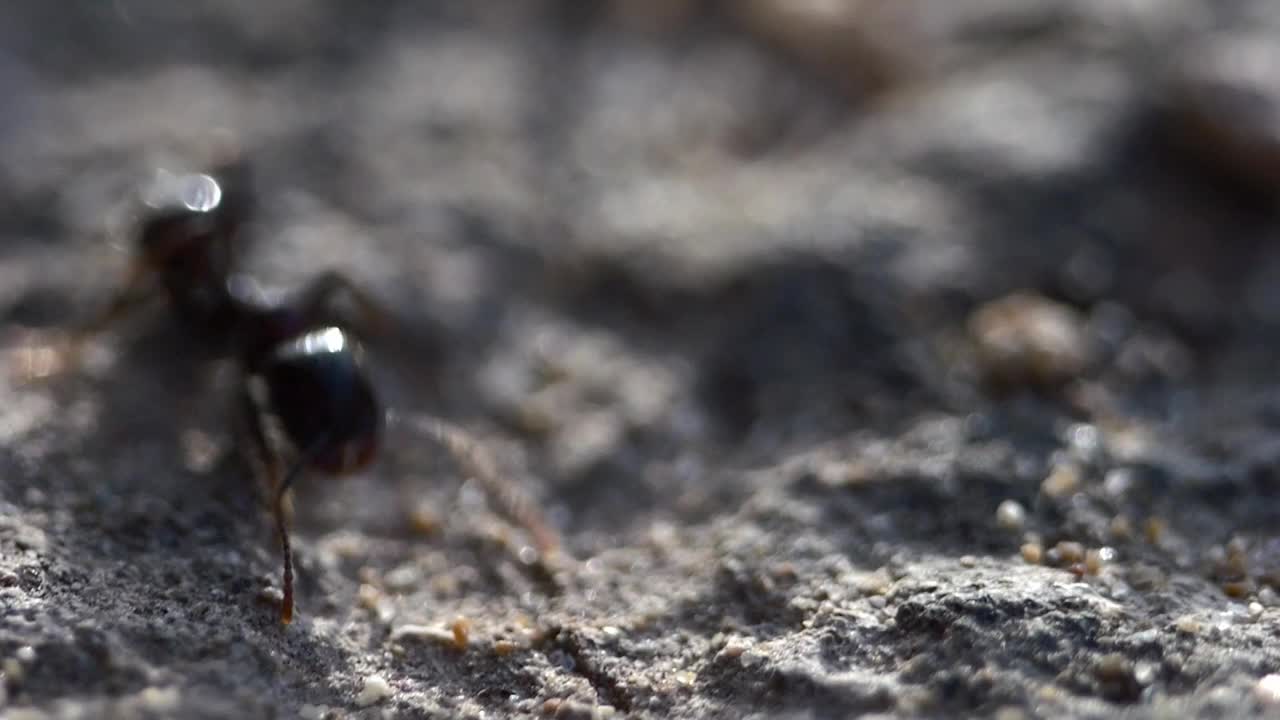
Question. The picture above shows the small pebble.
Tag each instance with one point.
(1188, 625)
(200, 451)
(873, 583)
(732, 650)
(1085, 441)
(1130, 443)
(375, 690)
(1028, 339)
(573, 710)
(1032, 553)
(1115, 677)
(1010, 515)
(26, 654)
(1096, 558)
(1050, 694)
(1147, 578)
(1255, 609)
(346, 545)
(403, 578)
(1118, 481)
(1153, 530)
(424, 632)
(461, 629)
(1121, 528)
(1237, 550)
(425, 520)
(503, 648)
(914, 702)
(1069, 552)
(160, 700)
(843, 43)
(368, 597)
(1010, 712)
(312, 712)
(1062, 481)
(445, 584)
(270, 595)
(1238, 589)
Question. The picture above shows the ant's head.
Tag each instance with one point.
(178, 210)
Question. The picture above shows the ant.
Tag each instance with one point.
(305, 399)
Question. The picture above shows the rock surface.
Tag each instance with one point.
(709, 295)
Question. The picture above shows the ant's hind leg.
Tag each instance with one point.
(319, 296)
(268, 469)
(510, 497)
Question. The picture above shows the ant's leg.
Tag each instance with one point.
(319, 295)
(282, 528)
(267, 466)
(510, 498)
(59, 354)
(132, 294)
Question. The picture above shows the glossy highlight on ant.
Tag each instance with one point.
(304, 398)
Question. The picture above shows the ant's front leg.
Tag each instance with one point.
(40, 360)
(135, 291)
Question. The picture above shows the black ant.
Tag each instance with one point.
(305, 399)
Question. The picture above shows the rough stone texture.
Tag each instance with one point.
(712, 298)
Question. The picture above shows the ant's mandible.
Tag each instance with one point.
(304, 397)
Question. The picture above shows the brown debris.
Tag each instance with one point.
(1026, 339)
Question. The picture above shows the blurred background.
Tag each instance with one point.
(828, 277)
(798, 203)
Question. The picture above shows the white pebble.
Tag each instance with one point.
(1011, 515)
(160, 700)
(405, 577)
(376, 689)
(1085, 440)
(1118, 481)
(422, 632)
(732, 650)
(1268, 689)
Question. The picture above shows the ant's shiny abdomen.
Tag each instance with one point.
(317, 388)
